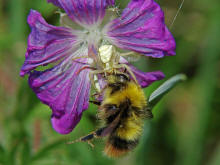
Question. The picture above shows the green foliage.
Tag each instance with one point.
(185, 128)
(43, 152)
(158, 94)
(2, 154)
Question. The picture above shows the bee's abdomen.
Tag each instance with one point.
(116, 146)
(123, 144)
(126, 135)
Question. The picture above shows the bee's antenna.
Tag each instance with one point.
(174, 19)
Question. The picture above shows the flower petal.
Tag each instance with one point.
(46, 43)
(84, 12)
(141, 28)
(143, 78)
(111, 2)
(65, 90)
(55, 2)
(146, 78)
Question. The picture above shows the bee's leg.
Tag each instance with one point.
(89, 137)
(99, 133)
(128, 69)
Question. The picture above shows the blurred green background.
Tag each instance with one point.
(185, 129)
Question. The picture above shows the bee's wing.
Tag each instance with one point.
(111, 126)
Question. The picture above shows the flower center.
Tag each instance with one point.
(93, 36)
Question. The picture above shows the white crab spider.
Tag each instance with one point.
(109, 64)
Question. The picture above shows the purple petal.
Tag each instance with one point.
(46, 43)
(65, 90)
(84, 12)
(146, 78)
(55, 2)
(143, 78)
(141, 28)
(111, 2)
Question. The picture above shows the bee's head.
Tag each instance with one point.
(118, 78)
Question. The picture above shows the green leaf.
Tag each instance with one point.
(26, 152)
(158, 94)
(2, 154)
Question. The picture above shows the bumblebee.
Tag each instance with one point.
(123, 110)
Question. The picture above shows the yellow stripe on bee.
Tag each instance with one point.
(131, 128)
(132, 91)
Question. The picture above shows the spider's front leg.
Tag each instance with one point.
(128, 69)
(93, 76)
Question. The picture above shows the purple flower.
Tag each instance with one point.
(65, 86)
